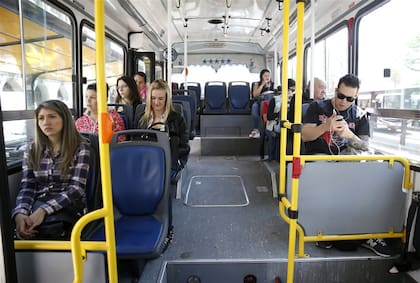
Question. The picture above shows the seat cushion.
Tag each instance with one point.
(134, 236)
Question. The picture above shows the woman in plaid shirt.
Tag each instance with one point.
(55, 171)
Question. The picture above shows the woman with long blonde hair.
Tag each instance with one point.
(159, 114)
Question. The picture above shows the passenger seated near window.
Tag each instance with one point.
(334, 126)
(55, 171)
(160, 115)
(140, 78)
(272, 128)
(265, 84)
(127, 92)
(319, 94)
(88, 123)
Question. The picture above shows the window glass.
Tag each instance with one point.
(114, 56)
(36, 64)
(330, 59)
(389, 70)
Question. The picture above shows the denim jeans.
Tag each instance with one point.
(255, 113)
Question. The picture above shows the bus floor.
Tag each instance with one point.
(228, 219)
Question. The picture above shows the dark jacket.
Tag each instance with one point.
(178, 138)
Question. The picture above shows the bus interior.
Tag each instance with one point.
(236, 216)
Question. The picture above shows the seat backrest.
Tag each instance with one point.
(239, 97)
(190, 100)
(140, 171)
(215, 97)
(139, 110)
(93, 184)
(179, 108)
(364, 197)
(196, 87)
(305, 107)
(126, 113)
(185, 112)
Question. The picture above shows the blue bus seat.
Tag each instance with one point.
(186, 114)
(196, 87)
(126, 113)
(239, 96)
(140, 171)
(191, 105)
(93, 184)
(305, 107)
(215, 97)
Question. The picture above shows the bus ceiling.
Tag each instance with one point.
(213, 25)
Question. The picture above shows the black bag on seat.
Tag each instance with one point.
(58, 226)
(410, 261)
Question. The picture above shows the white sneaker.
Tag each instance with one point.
(255, 134)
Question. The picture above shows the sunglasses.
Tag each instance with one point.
(348, 98)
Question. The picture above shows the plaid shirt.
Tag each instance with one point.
(49, 182)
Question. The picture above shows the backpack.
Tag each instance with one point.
(410, 260)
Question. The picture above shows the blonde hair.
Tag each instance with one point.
(157, 84)
(70, 137)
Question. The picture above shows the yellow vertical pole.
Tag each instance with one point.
(296, 139)
(284, 90)
(105, 135)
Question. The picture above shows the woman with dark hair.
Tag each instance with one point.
(141, 80)
(265, 84)
(127, 92)
(55, 171)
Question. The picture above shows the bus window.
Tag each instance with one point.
(387, 65)
(388, 68)
(114, 60)
(43, 72)
(331, 59)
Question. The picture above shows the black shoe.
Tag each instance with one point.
(324, 244)
(378, 246)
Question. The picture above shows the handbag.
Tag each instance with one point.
(58, 226)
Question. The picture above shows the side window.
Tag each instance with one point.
(330, 58)
(36, 63)
(389, 69)
(114, 55)
(389, 65)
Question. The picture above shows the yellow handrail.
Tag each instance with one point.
(296, 139)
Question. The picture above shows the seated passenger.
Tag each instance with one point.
(140, 78)
(319, 94)
(336, 126)
(273, 126)
(88, 123)
(160, 115)
(330, 126)
(265, 84)
(127, 92)
(55, 170)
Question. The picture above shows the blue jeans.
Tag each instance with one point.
(255, 113)
(273, 145)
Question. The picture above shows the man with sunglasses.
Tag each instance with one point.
(334, 126)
